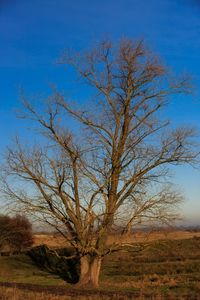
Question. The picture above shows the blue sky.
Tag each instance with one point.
(33, 34)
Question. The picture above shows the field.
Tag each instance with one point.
(169, 268)
(53, 240)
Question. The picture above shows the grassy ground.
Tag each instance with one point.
(55, 240)
(20, 268)
(18, 294)
(168, 268)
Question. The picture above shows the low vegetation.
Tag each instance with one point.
(17, 294)
(168, 268)
(20, 268)
(60, 262)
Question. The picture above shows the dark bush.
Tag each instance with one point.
(15, 233)
(57, 262)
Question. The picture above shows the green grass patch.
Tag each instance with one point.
(20, 268)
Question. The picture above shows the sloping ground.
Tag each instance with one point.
(20, 268)
(167, 269)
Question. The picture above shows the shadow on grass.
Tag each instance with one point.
(57, 262)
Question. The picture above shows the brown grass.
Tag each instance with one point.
(54, 240)
(13, 293)
(168, 268)
(16, 294)
(51, 240)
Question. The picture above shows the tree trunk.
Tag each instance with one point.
(89, 271)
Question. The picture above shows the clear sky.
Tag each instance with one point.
(33, 34)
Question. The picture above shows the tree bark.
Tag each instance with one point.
(89, 271)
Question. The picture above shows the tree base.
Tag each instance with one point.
(89, 272)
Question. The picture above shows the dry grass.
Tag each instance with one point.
(53, 240)
(166, 269)
(170, 268)
(17, 294)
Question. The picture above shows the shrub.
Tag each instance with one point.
(15, 233)
(58, 262)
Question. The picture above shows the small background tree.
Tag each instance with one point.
(15, 233)
(111, 170)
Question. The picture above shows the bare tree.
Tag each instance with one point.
(112, 170)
